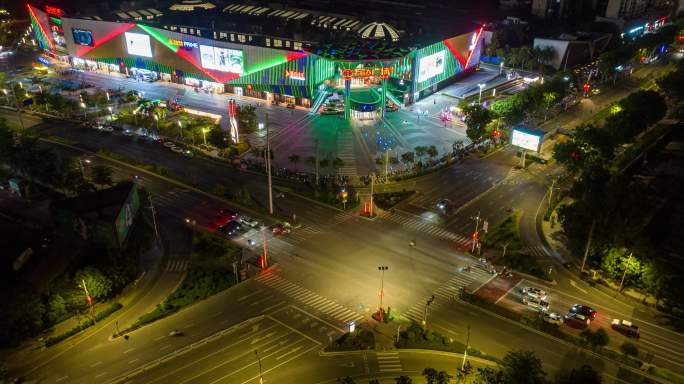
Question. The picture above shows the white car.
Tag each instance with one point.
(553, 318)
(108, 128)
(248, 221)
(169, 144)
(537, 304)
(176, 149)
(535, 292)
(127, 132)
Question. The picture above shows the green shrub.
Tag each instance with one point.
(84, 325)
(629, 349)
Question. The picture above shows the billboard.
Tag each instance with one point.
(138, 44)
(431, 66)
(125, 218)
(83, 37)
(221, 59)
(527, 139)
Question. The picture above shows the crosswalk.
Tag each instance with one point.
(322, 304)
(448, 291)
(388, 362)
(425, 227)
(177, 265)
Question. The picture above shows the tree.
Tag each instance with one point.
(294, 159)
(420, 151)
(101, 175)
(99, 286)
(462, 374)
(56, 308)
(596, 339)
(542, 55)
(324, 163)
(629, 349)
(489, 375)
(432, 151)
(218, 137)
(673, 84)
(337, 163)
(522, 367)
(407, 157)
(311, 160)
(430, 375)
(443, 377)
(403, 379)
(584, 374)
(346, 380)
(477, 118)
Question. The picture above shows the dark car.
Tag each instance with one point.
(229, 213)
(444, 205)
(625, 327)
(231, 229)
(588, 312)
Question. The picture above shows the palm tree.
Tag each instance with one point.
(408, 157)
(294, 159)
(543, 55)
(525, 56)
(432, 151)
(101, 175)
(420, 151)
(430, 375)
(403, 379)
(324, 163)
(311, 160)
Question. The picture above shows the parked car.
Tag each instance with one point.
(535, 303)
(280, 229)
(168, 144)
(534, 292)
(625, 327)
(552, 318)
(226, 212)
(231, 229)
(249, 221)
(584, 310)
(176, 149)
(188, 153)
(577, 319)
(290, 105)
(127, 132)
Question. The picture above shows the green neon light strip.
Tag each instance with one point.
(159, 37)
(56, 21)
(267, 65)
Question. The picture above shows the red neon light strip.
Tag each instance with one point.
(82, 50)
(454, 52)
(477, 41)
(295, 55)
(48, 37)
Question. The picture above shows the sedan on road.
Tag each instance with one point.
(231, 229)
(535, 303)
(584, 310)
(444, 205)
(552, 318)
(625, 327)
(534, 292)
(280, 229)
(249, 221)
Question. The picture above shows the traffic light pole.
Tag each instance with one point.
(477, 228)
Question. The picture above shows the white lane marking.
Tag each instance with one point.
(164, 347)
(100, 374)
(62, 378)
(95, 365)
(129, 350)
(572, 282)
(133, 361)
(158, 338)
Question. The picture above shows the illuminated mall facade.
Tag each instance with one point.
(368, 62)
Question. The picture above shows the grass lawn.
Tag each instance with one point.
(505, 233)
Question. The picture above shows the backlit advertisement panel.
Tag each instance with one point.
(527, 139)
(221, 59)
(430, 66)
(82, 37)
(138, 44)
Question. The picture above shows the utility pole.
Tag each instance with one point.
(265, 262)
(586, 250)
(268, 169)
(553, 182)
(154, 217)
(88, 299)
(477, 228)
(622, 281)
(430, 300)
(382, 269)
(465, 352)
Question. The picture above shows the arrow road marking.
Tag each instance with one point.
(572, 282)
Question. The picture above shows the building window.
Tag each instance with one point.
(250, 37)
(297, 45)
(277, 43)
(174, 28)
(232, 37)
(223, 35)
(241, 38)
(184, 30)
(192, 31)
(287, 43)
(268, 42)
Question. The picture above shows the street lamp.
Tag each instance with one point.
(111, 116)
(84, 110)
(501, 67)
(430, 300)
(204, 135)
(479, 99)
(156, 119)
(261, 379)
(180, 129)
(135, 116)
(382, 269)
(6, 95)
(107, 94)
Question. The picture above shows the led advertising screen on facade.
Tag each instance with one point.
(82, 37)
(527, 139)
(138, 44)
(431, 66)
(221, 59)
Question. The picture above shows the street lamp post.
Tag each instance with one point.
(430, 300)
(6, 95)
(261, 379)
(156, 119)
(465, 351)
(84, 111)
(204, 135)
(180, 129)
(382, 270)
(135, 116)
(111, 115)
(479, 98)
(477, 228)
(624, 274)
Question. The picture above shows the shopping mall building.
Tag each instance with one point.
(294, 56)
